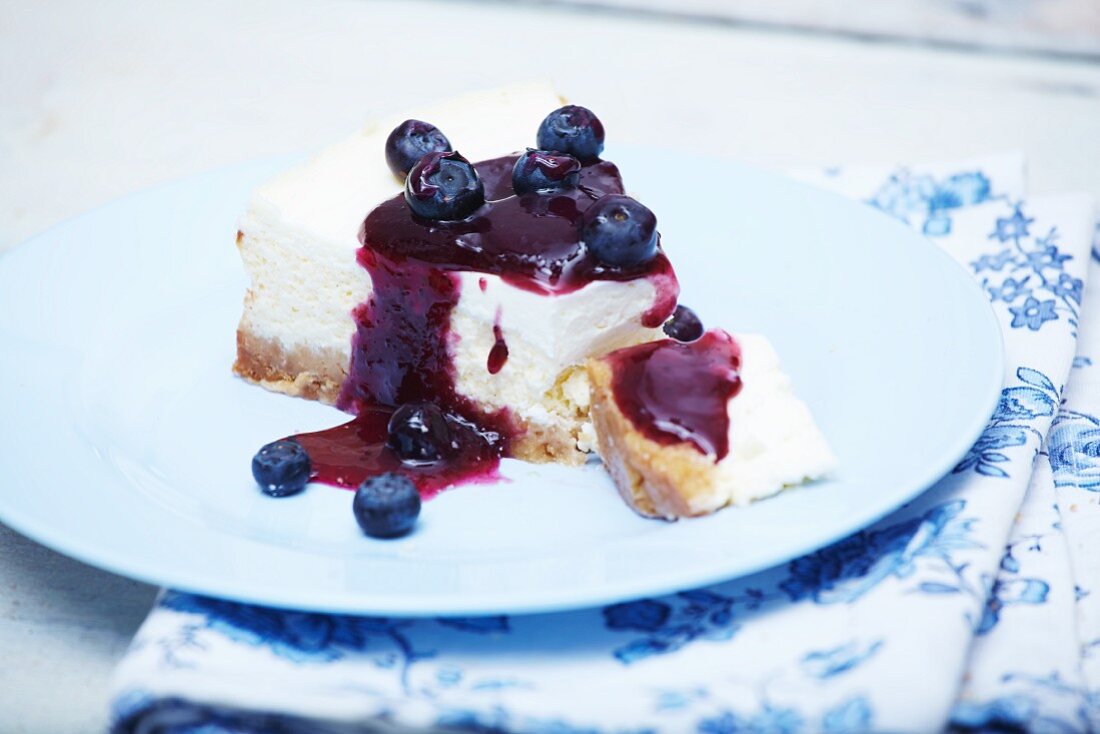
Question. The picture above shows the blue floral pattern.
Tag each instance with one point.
(1074, 447)
(700, 614)
(848, 717)
(769, 719)
(1005, 593)
(845, 571)
(926, 201)
(824, 664)
(1010, 588)
(142, 712)
(1027, 274)
(1010, 426)
(840, 573)
(297, 636)
(314, 638)
(1023, 711)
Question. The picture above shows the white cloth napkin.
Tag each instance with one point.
(1036, 663)
(969, 608)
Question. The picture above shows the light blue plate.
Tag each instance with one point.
(125, 441)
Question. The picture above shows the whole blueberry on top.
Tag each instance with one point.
(574, 130)
(543, 170)
(684, 326)
(386, 506)
(281, 468)
(410, 141)
(419, 434)
(619, 231)
(444, 185)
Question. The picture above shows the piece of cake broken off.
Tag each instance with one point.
(686, 429)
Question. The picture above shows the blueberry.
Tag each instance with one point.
(684, 326)
(573, 130)
(444, 185)
(281, 468)
(619, 231)
(386, 506)
(419, 434)
(543, 170)
(410, 141)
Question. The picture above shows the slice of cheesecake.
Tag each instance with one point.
(688, 428)
(355, 301)
(299, 237)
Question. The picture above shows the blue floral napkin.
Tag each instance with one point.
(970, 608)
(1036, 663)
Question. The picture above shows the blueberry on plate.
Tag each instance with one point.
(444, 186)
(410, 141)
(386, 506)
(419, 434)
(684, 326)
(619, 231)
(544, 170)
(574, 130)
(281, 468)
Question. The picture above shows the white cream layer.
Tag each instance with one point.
(548, 338)
(774, 442)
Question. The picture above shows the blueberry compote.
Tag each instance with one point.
(674, 392)
(346, 455)
(498, 355)
(400, 351)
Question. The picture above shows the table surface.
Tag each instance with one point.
(118, 95)
(1053, 27)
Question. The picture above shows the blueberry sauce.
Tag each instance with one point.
(498, 355)
(530, 241)
(400, 355)
(349, 453)
(401, 348)
(674, 392)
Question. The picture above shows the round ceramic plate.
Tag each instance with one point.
(125, 441)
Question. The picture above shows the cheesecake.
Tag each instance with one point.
(470, 281)
(357, 300)
(688, 428)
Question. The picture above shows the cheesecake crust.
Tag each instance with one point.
(546, 445)
(318, 375)
(657, 480)
(303, 373)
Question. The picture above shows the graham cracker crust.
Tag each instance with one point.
(303, 373)
(657, 480)
(318, 375)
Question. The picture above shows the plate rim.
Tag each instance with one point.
(488, 603)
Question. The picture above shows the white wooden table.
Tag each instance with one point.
(99, 99)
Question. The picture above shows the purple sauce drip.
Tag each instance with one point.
(349, 453)
(678, 393)
(498, 355)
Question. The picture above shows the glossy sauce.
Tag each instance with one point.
(530, 241)
(674, 392)
(349, 453)
(498, 355)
